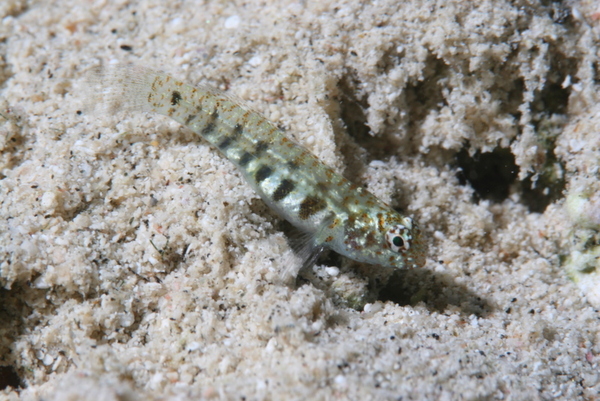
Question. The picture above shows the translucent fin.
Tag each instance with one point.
(118, 88)
(307, 247)
(306, 251)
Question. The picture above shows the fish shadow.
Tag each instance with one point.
(438, 291)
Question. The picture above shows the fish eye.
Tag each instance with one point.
(398, 238)
(398, 241)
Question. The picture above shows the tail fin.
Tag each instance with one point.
(119, 88)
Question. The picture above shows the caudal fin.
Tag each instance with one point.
(118, 88)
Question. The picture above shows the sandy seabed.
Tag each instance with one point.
(136, 264)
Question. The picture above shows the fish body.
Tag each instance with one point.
(332, 211)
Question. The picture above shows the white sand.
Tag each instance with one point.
(503, 309)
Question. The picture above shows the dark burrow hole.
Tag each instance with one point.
(9, 378)
(490, 174)
(493, 174)
(553, 99)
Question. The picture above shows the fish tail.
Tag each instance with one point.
(120, 88)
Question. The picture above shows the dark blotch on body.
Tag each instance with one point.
(285, 187)
(237, 130)
(263, 173)
(225, 143)
(175, 98)
(210, 127)
(311, 205)
(261, 146)
(235, 133)
(245, 159)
